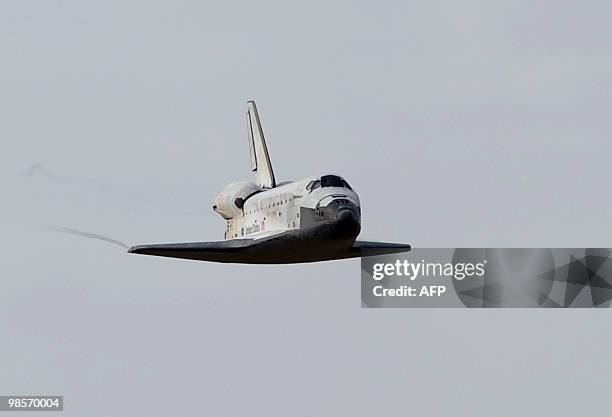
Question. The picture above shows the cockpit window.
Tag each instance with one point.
(313, 185)
(331, 181)
(334, 181)
(328, 181)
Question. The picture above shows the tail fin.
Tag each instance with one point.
(260, 160)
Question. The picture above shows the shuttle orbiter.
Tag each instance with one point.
(315, 219)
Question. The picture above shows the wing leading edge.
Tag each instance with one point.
(379, 248)
(283, 248)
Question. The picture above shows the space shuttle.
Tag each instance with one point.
(315, 219)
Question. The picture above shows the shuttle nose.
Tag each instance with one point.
(346, 218)
(347, 212)
(339, 209)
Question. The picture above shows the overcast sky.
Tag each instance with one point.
(459, 124)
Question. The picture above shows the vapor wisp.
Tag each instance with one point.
(88, 235)
(81, 184)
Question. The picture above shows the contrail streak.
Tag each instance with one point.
(43, 171)
(87, 235)
(89, 185)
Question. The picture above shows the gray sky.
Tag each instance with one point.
(459, 124)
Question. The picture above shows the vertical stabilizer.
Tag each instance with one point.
(260, 160)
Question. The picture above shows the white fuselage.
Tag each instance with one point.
(292, 205)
